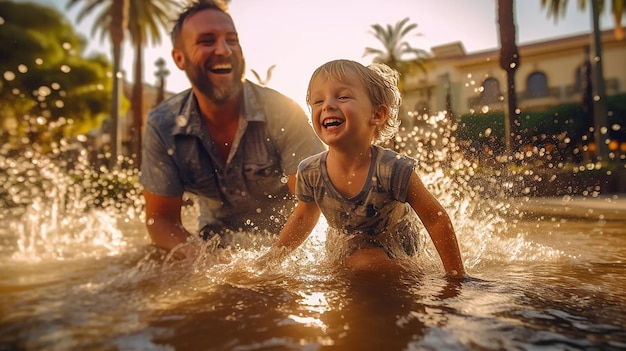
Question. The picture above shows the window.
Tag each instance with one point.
(579, 79)
(583, 77)
(537, 85)
(491, 91)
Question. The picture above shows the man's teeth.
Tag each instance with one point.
(223, 68)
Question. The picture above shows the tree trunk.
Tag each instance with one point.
(599, 101)
(509, 61)
(114, 132)
(137, 105)
(119, 18)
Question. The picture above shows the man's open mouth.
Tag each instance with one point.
(221, 68)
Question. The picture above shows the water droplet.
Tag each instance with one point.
(44, 91)
(9, 76)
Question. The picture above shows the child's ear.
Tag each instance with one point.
(379, 115)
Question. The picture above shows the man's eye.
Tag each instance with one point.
(232, 41)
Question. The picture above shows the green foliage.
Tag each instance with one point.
(45, 84)
(567, 118)
(481, 126)
(34, 31)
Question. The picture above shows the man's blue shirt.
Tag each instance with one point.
(247, 192)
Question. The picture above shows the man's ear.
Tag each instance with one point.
(179, 59)
(379, 115)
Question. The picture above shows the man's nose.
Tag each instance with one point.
(222, 48)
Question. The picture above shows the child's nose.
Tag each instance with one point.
(328, 105)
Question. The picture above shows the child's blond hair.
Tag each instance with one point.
(381, 83)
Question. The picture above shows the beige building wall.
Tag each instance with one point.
(463, 75)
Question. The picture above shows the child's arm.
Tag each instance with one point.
(298, 227)
(438, 224)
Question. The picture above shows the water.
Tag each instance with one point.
(546, 285)
(77, 272)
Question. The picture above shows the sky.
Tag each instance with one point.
(298, 36)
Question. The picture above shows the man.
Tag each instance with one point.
(234, 144)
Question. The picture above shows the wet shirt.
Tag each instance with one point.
(250, 190)
(379, 214)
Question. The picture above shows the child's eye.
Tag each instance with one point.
(317, 102)
(343, 97)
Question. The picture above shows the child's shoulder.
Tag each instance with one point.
(388, 156)
(313, 161)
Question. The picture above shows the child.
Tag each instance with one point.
(370, 196)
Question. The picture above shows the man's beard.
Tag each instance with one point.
(218, 95)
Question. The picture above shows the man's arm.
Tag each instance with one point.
(164, 222)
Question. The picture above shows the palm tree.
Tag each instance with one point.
(143, 19)
(509, 61)
(558, 8)
(146, 19)
(599, 105)
(396, 49)
(112, 21)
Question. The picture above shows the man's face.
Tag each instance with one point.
(208, 51)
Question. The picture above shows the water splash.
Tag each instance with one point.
(58, 206)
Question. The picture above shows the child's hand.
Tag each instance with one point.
(272, 258)
(456, 276)
(224, 256)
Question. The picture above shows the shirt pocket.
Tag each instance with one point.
(200, 178)
(264, 178)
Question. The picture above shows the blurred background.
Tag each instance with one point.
(537, 84)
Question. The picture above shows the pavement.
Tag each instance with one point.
(604, 207)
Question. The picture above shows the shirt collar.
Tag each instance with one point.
(189, 120)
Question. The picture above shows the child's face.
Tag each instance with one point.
(342, 112)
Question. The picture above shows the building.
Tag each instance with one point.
(550, 73)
